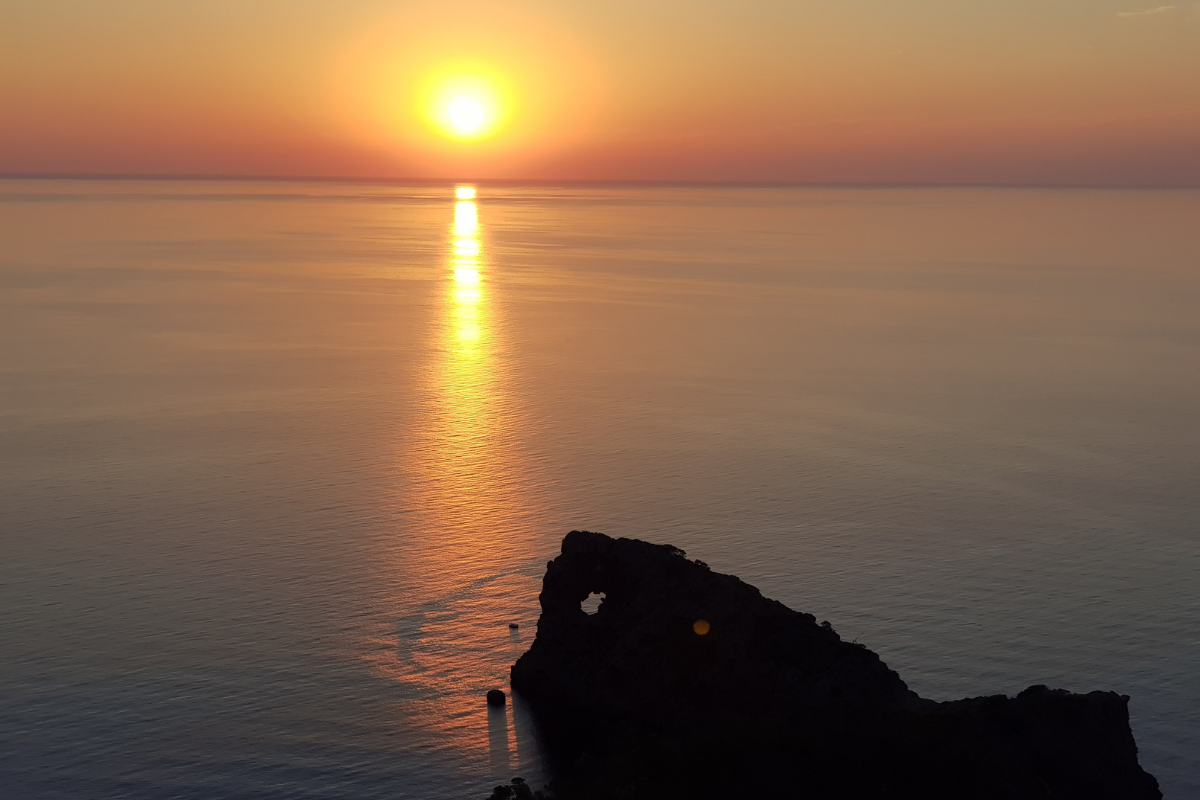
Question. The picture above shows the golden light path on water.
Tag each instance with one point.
(471, 513)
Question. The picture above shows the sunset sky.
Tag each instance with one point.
(1091, 92)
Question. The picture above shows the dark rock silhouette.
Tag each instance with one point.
(495, 697)
(517, 789)
(641, 700)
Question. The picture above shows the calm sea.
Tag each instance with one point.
(280, 462)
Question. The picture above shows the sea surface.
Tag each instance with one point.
(281, 461)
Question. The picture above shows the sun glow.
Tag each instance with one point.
(468, 107)
(465, 88)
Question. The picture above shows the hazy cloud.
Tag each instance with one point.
(1144, 12)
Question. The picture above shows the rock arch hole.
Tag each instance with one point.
(591, 603)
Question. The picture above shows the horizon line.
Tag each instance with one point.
(395, 180)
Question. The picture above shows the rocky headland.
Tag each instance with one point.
(690, 684)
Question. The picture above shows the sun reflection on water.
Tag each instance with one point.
(463, 558)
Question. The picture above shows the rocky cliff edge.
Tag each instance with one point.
(689, 683)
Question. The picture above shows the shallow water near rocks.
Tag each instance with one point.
(282, 461)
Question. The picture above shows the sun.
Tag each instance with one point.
(467, 106)
(466, 114)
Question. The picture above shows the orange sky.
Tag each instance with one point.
(994, 91)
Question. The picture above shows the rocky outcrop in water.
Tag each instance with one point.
(641, 700)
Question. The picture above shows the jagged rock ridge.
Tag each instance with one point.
(636, 704)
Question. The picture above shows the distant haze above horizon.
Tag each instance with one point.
(1071, 92)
